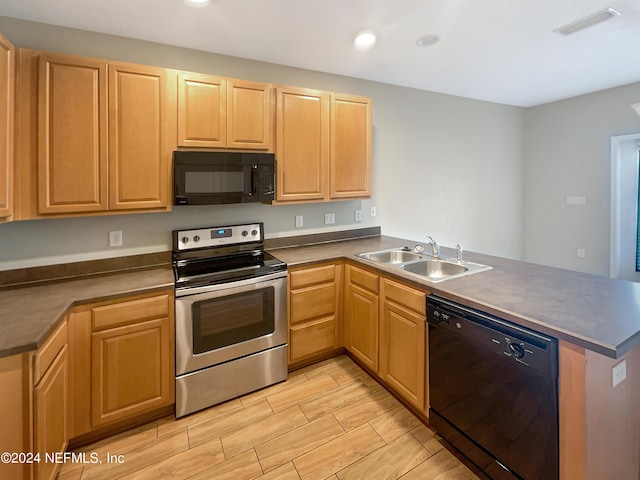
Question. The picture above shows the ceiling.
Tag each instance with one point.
(503, 51)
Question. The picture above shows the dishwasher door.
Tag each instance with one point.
(493, 392)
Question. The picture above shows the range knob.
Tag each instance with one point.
(245, 233)
(254, 232)
(517, 350)
(185, 239)
(196, 238)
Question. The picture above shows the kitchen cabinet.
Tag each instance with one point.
(403, 341)
(7, 80)
(385, 330)
(216, 112)
(315, 298)
(72, 134)
(122, 363)
(323, 145)
(139, 149)
(15, 435)
(93, 136)
(302, 144)
(350, 157)
(51, 402)
(361, 315)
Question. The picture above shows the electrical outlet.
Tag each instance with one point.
(581, 253)
(373, 211)
(329, 218)
(358, 215)
(115, 238)
(618, 373)
(299, 221)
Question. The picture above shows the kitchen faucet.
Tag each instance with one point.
(435, 248)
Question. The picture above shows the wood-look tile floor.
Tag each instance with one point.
(327, 421)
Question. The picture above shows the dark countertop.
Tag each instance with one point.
(598, 313)
(28, 314)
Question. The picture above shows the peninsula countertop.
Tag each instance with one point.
(595, 312)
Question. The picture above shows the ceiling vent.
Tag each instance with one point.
(588, 21)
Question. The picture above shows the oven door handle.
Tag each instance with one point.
(185, 292)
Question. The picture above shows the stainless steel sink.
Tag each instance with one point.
(391, 256)
(434, 269)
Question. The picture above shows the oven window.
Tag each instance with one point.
(218, 181)
(231, 319)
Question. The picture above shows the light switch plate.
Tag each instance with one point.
(358, 215)
(299, 221)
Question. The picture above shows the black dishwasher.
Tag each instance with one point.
(493, 391)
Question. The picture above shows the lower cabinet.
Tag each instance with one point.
(361, 315)
(122, 363)
(403, 341)
(385, 329)
(315, 327)
(51, 402)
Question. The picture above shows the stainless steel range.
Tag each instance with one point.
(231, 319)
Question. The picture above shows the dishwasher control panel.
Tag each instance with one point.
(487, 332)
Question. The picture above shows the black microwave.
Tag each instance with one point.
(209, 178)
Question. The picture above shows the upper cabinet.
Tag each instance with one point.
(216, 112)
(93, 136)
(323, 145)
(302, 144)
(72, 134)
(350, 163)
(138, 142)
(7, 66)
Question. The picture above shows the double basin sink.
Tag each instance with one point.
(434, 269)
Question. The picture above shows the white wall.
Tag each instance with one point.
(443, 165)
(567, 153)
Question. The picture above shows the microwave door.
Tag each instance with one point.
(213, 184)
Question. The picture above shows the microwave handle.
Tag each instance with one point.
(254, 172)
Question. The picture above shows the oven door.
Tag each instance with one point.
(218, 323)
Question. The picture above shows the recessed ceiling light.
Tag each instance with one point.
(196, 3)
(588, 21)
(365, 40)
(426, 40)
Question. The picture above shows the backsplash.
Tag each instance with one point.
(54, 241)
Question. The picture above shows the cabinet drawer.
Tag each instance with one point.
(364, 279)
(313, 302)
(47, 353)
(405, 296)
(312, 276)
(123, 313)
(312, 338)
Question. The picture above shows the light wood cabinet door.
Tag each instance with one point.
(402, 352)
(51, 415)
(131, 370)
(72, 134)
(361, 312)
(7, 100)
(302, 144)
(249, 115)
(350, 161)
(202, 111)
(138, 145)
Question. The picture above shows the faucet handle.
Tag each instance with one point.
(458, 253)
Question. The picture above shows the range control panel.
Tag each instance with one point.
(219, 236)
